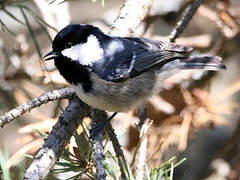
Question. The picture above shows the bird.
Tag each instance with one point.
(119, 73)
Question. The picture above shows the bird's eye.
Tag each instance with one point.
(68, 45)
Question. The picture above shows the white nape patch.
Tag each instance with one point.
(113, 47)
(85, 53)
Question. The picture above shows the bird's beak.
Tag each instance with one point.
(52, 55)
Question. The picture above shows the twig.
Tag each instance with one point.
(176, 32)
(28, 106)
(142, 151)
(98, 124)
(57, 139)
(187, 16)
(130, 16)
(117, 148)
(155, 151)
(184, 131)
(144, 123)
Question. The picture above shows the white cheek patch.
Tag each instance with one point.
(85, 53)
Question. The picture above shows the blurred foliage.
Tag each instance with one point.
(4, 170)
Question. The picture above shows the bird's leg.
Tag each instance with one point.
(142, 114)
(112, 116)
(98, 125)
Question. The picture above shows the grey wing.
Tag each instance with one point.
(157, 52)
(140, 55)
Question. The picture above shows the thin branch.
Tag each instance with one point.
(118, 150)
(186, 17)
(141, 150)
(57, 139)
(28, 106)
(176, 32)
(98, 124)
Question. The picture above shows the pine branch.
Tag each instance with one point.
(28, 106)
(98, 125)
(57, 139)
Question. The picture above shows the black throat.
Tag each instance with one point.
(74, 73)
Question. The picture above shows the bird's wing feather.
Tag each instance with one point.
(139, 55)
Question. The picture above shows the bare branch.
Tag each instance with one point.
(28, 106)
(142, 151)
(57, 139)
(187, 16)
(130, 16)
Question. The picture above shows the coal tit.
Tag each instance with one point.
(119, 73)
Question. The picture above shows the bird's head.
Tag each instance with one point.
(76, 42)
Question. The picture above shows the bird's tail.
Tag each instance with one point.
(212, 63)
